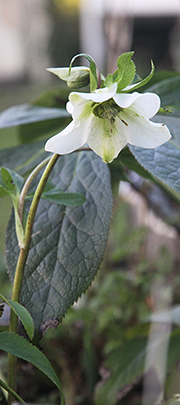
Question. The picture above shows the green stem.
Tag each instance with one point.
(13, 325)
(8, 389)
(36, 198)
(31, 177)
(27, 184)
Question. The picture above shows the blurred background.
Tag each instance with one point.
(41, 33)
(142, 250)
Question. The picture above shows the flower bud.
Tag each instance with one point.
(78, 77)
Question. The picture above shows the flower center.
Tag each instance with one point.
(107, 110)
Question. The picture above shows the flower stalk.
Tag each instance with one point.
(27, 184)
(13, 325)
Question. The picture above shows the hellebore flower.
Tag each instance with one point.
(107, 121)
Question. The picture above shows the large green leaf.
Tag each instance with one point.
(127, 159)
(34, 131)
(20, 347)
(70, 199)
(53, 99)
(25, 114)
(34, 121)
(13, 393)
(68, 243)
(23, 158)
(162, 162)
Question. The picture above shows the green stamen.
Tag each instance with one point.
(107, 110)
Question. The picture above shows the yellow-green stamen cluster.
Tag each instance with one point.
(107, 110)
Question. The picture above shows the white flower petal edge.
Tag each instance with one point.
(144, 133)
(140, 131)
(99, 95)
(66, 141)
(147, 104)
(75, 135)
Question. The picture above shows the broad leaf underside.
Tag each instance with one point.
(68, 243)
(163, 162)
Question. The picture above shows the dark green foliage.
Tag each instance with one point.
(68, 243)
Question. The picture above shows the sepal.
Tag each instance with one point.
(76, 77)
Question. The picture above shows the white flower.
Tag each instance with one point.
(107, 121)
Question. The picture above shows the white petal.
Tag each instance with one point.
(99, 96)
(70, 139)
(142, 132)
(145, 105)
(69, 107)
(125, 100)
(79, 108)
(104, 139)
(74, 136)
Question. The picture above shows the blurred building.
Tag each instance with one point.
(35, 34)
(110, 27)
